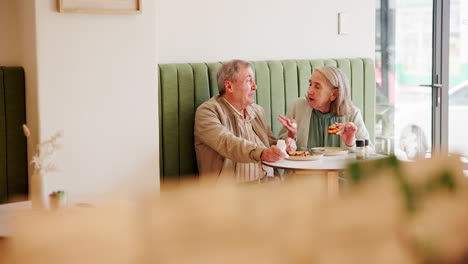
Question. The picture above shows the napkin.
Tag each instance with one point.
(281, 144)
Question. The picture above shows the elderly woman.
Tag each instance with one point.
(327, 102)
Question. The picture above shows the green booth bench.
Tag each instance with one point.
(13, 152)
(183, 87)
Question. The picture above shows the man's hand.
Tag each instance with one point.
(349, 130)
(290, 145)
(289, 124)
(272, 154)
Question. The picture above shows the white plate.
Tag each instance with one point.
(303, 158)
(331, 151)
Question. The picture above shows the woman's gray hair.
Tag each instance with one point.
(229, 72)
(342, 105)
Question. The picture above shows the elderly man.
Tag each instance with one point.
(232, 135)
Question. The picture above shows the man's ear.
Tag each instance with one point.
(228, 86)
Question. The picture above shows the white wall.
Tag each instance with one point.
(28, 60)
(97, 82)
(217, 30)
(9, 51)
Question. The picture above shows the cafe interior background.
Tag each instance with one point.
(95, 76)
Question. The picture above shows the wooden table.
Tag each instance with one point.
(7, 211)
(329, 166)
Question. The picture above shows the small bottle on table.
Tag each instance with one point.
(366, 147)
(360, 149)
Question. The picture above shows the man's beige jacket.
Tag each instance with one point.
(217, 144)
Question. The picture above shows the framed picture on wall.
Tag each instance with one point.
(100, 6)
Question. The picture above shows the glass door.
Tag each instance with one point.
(408, 81)
(458, 78)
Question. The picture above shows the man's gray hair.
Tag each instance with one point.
(229, 72)
(342, 105)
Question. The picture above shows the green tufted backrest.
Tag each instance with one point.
(13, 153)
(183, 87)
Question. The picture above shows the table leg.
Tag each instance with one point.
(329, 179)
(332, 184)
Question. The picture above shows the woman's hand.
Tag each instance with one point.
(348, 131)
(289, 124)
(290, 145)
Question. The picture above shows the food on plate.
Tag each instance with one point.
(334, 129)
(299, 154)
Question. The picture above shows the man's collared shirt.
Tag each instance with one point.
(246, 172)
